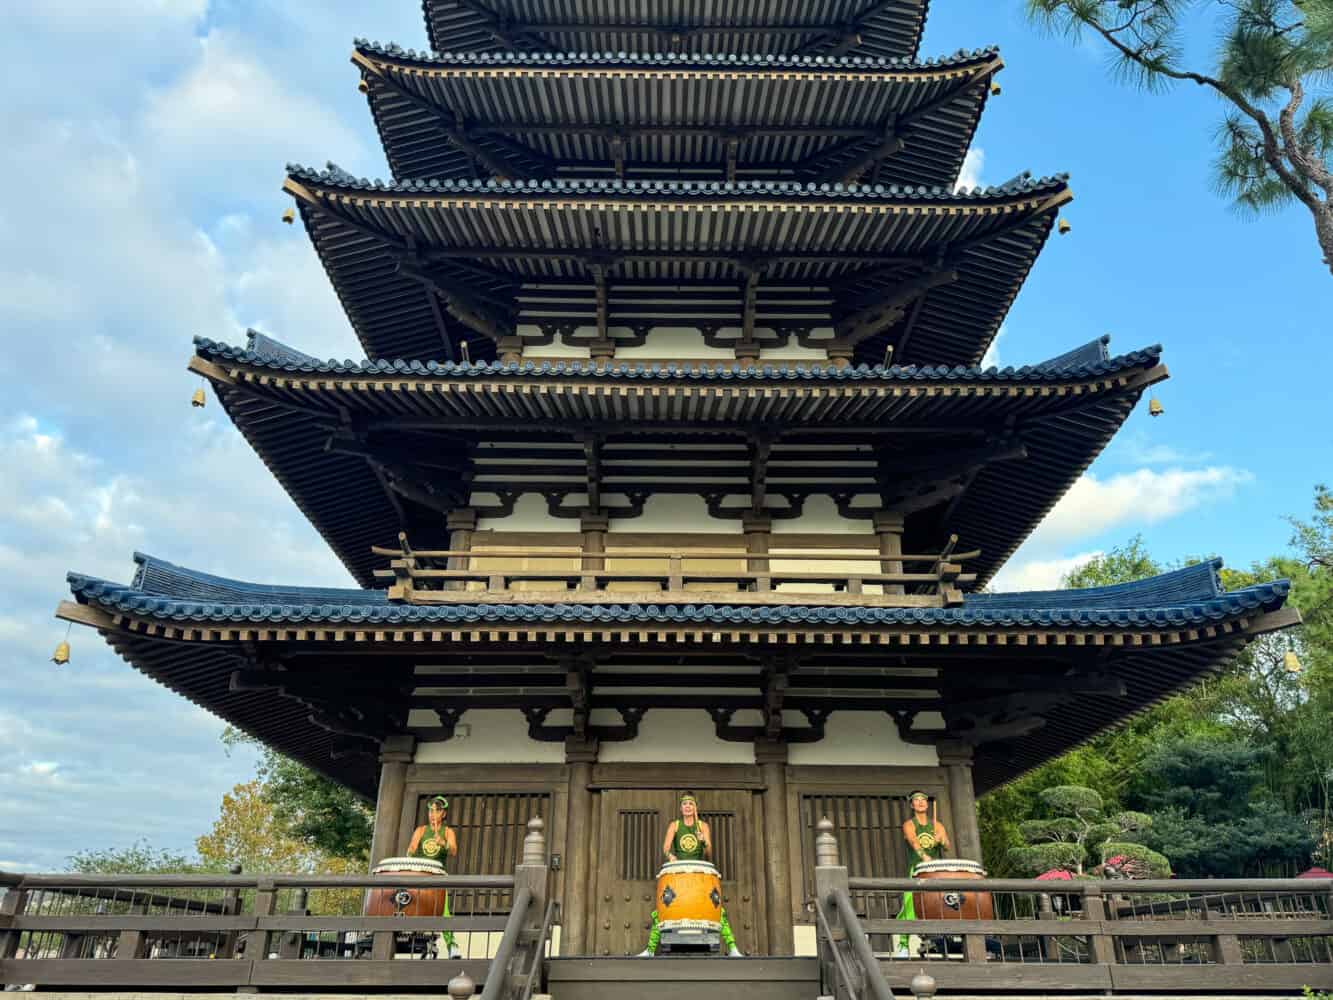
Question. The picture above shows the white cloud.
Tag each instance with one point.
(1145, 496)
(1040, 574)
(970, 175)
(991, 359)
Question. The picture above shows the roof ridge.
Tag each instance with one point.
(749, 60)
(335, 176)
(1081, 365)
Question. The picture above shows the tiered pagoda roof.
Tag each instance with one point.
(1088, 657)
(758, 27)
(929, 271)
(539, 115)
(369, 449)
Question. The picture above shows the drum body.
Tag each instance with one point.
(406, 901)
(949, 905)
(689, 896)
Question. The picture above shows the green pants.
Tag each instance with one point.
(447, 937)
(655, 933)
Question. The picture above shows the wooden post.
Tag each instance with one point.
(830, 876)
(889, 528)
(594, 525)
(461, 524)
(395, 754)
(771, 756)
(231, 906)
(575, 907)
(758, 528)
(11, 905)
(256, 941)
(956, 759)
(130, 944)
(1094, 910)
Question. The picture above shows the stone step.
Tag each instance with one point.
(701, 978)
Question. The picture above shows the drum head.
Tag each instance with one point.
(971, 868)
(687, 868)
(421, 866)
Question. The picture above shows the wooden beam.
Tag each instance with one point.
(880, 315)
(84, 614)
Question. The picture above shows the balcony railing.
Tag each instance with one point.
(693, 573)
(270, 932)
(1229, 936)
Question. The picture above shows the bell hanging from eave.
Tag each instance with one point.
(1063, 227)
(1291, 662)
(289, 216)
(1155, 407)
(61, 656)
(995, 90)
(198, 399)
(362, 86)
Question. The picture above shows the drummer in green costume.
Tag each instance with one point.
(436, 841)
(690, 839)
(927, 840)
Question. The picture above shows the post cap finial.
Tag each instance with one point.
(923, 986)
(461, 986)
(534, 844)
(826, 845)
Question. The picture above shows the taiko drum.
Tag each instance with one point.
(689, 895)
(951, 905)
(406, 900)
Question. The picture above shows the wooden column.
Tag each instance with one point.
(956, 759)
(889, 528)
(577, 907)
(594, 525)
(395, 754)
(461, 523)
(758, 528)
(771, 756)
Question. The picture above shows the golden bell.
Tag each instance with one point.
(1063, 226)
(467, 357)
(995, 90)
(362, 86)
(61, 656)
(1291, 662)
(1155, 407)
(198, 398)
(289, 216)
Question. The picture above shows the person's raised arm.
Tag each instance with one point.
(450, 840)
(909, 831)
(670, 838)
(416, 840)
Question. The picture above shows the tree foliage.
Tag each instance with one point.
(310, 808)
(140, 858)
(1236, 774)
(1078, 828)
(1275, 140)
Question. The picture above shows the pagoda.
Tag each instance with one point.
(672, 463)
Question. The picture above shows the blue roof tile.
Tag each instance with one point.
(1088, 361)
(1183, 597)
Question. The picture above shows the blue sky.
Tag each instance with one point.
(144, 154)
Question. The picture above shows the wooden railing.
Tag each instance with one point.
(273, 932)
(693, 573)
(1228, 935)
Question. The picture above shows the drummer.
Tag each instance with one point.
(437, 841)
(925, 835)
(690, 839)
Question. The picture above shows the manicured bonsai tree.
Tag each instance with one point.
(1078, 831)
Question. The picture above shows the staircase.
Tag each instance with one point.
(703, 978)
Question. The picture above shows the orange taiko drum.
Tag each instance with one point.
(951, 905)
(406, 901)
(689, 896)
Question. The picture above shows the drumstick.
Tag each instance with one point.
(934, 815)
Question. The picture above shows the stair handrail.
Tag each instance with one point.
(539, 950)
(860, 942)
(843, 975)
(832, 894)
(497, 977)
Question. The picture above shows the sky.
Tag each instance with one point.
(144, 149)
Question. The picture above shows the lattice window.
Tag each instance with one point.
(640, 844)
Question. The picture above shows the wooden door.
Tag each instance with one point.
(633, 823)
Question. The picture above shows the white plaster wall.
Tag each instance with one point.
(683, 736)
(669, 343)
(864, 738)
(555, 350)
(487, 736)
(678, 513)
(820, 516)
(530, 514)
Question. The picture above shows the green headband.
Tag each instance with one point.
(918, 795)
(689, 797)
(438, 800)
